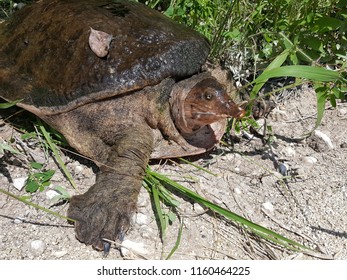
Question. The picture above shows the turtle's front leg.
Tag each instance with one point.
(105, 210)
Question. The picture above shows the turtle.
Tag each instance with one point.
(124, 84)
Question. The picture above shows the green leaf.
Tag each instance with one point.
(313, 73)
(36, 165)
(325, 24)
(64, 193)
(7, 105)
(162, 221)
(31, 186)
(28, 135)
(322, 95)
(4, 146)
(276, 63)
(57, 156)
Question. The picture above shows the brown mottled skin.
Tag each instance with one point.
(145, 99)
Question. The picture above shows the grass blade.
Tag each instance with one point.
(255, 228)
(57, 155)
(7, 105)
(277, 62)
(35, 205)
(314, 73)
(178, 240)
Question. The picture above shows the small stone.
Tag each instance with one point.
(60, 254)
(18, 220)
(19, 183)
(50, 194)
(141, 219)
(309, 161)
(325, 138)
(217, 201)
(237, 191)
(254, 181)
(198, 208)
(268, 206)
(237, 169)
(342, 112)
(288, 152)
(283, 168)
(78, 169)
(37, 247)
(128, 246)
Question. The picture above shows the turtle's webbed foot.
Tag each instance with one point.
(99, 217)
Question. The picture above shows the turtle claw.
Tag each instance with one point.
(107, 247)
(121, 236)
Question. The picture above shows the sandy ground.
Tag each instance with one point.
(310, 206)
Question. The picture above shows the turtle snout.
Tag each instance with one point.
(235, 111)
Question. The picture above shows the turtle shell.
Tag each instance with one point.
(46, 60)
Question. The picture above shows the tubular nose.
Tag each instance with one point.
(236, 111)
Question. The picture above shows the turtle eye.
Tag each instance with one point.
(208, 96)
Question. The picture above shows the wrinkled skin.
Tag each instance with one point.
(143, 98)
(124, 148)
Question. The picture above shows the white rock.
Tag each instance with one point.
(217, 201)
(198, 208)
(51, 193)
(288, 151)
(308, 161)
(18, 220)
(19, 183)
(324, 137)
(128, 246)
(342, 112)
(237, 191)
(37, 247)
(141, 219)
(268, 206)
(78, 169)
(60, 254)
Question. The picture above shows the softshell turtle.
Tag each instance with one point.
(123, 84)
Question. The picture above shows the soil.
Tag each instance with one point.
(297, 188)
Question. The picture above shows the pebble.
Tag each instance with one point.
(237, 191)
(198, 208)
(309, 161)
(18, 220)
(217, 201)
(19, 183)
(325, 138)
(283, 168)
(37, 247)
(130, 246)
(288, 151)
(78, 169)
(268, 206)
(342, 112)
(50, 194)
(141, 219)
(60, 254)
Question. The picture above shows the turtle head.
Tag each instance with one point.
(205, 102)
(208, 102)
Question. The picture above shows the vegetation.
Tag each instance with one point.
(257, 41)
